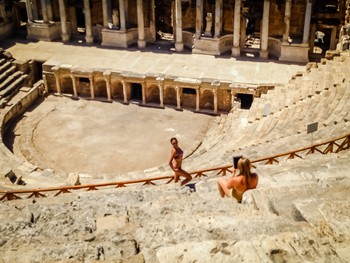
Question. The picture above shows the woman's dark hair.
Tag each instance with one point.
(172, 139)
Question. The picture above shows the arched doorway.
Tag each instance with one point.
(170, 96)
(117, 90)
(136, 92)
(207, 100)
(100, 89)
(67, 85)
(153, 94)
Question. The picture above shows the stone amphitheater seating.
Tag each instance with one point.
(11, 79)
(298, 213)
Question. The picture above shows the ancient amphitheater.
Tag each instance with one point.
(84, 174)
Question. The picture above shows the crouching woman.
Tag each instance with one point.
(238, 184)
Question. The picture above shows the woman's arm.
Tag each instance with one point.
(172, 154)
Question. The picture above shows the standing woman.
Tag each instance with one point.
(175, 162)
(237, 185)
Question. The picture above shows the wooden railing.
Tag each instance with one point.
(331, 146)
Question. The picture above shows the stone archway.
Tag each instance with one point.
(117, 90)
(100, 88)
(153, 94)
(67, 85)
(170, 96)
(207, 100)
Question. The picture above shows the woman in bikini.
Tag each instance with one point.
(175, 162)
(237, 185)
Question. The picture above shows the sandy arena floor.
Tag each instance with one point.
(96, 137)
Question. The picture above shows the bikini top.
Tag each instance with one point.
(179, 153)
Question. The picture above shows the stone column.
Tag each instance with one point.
(312, 38)
(125, 92)
(92, 91)
(236, 50)
(122, 15)
(179, 45)
(44, 11)
(215, 92)
(264, 36)
(58, 82)
(105, 12)
(197, 99)
(243, 31)
(307, 21)
(73, 19)
(63, 17)
(199, 18)
(35, 9)
(49, 10)
(140, 25)
(45, 83)
(178, 98)
(218, 18)
(161, 90)
(333, 44)
(3, 13)
(233, 95)
(143, 88)
(29, 11)
(152, 21)
(88, 26)
(75, 91)
(107, 76)
(287, 14)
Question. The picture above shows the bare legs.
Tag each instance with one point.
(180, 172)
(222, 187)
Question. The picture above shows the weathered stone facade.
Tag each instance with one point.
(282, 29)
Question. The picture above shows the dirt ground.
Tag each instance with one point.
(86, 136)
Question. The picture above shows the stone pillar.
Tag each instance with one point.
(152, 21)
(88, 26)
(92, 91)
(45, 83)
(35, 9)
(74, 81)
(199, 18)
(236, 50)
(161, 90)
(3, 13)
(58, 82)
(178, 98)
(44, 11)
(307, 21)
(215, 92)
(140, 25)
(312, 38)
(29, 11)
(122, 15)
(73, 19)
(105, 12)
(197, 99)
(333, 44)
(143, 88)
(125, 92)
(218, 18)
(107, 76)
(264, 35)
(49, 10)
(233, 95)
(63, 17)
(179, 45)
(243, 31)
(287, 14)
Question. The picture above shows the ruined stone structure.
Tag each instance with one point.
(285, 30)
